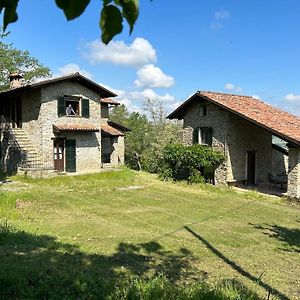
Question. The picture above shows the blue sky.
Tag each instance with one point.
(177, 47)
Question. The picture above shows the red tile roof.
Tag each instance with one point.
(75, 127)
(273, 119)
(109, 130)
(109, 101)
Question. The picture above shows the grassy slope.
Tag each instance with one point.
(83, 228)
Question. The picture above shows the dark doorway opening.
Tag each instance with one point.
(251, 167)
(11, 110)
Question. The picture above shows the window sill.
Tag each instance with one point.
(72, 116)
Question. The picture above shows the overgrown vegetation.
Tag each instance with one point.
(192, 163)
(150, 133)
(81, 237)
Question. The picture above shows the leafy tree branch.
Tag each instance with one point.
(112, 15)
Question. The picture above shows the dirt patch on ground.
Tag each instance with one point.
(20, 204)
(130, 188)
(14, 186)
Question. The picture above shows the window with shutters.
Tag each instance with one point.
(73, 106)
(203, 135)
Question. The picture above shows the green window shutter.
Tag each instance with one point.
(70, 155)
(61, 106)
(85, 108)
(196, 135)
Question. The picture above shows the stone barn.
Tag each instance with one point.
(261, 143)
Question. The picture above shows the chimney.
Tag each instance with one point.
(15, 80)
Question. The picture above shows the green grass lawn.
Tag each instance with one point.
(67, 233)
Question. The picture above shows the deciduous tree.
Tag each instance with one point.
(14, 60)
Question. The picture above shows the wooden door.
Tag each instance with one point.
(251, 167)
(70, 155)
(58, 154)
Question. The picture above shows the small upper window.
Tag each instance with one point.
(203, 110)
(73, 106)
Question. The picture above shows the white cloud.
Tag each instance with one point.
(138, 53)
(219, 17)
(71, 69)
(134, 100)
(292, 98)
(221, 14)
(152, 76)
(257, 97)
(149, 93)
(232, 87)
(292, 103)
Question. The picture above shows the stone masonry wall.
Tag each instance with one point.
(233, 136)
(31, 122)
(218, 120)
(280, 162)
(40, 113)
(244, 136)
(88, 150)
(294, 173)
(87, 144)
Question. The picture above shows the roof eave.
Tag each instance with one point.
(105, 93)
(275, 132)
(177, 113)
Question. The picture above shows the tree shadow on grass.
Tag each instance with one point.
(41, 267)
(289, 236)
(237, 267)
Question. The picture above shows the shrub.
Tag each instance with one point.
(191, 163)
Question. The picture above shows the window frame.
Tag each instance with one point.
(203, 135)
(80, 101)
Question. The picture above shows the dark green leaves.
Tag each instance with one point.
(72, 8)
(110, 22)
(10, 11)
(130, 11)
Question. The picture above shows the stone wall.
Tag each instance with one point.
(233, 136)
(215, 118)
(31, 121)
(39, 110)
(118, 153)
(280, 162)
(294, 173)
(88, 150)
(244, 136)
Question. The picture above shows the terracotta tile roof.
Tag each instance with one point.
(273, 119)
(75, 127)
(109, 130)
(109, 101)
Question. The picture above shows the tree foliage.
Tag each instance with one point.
(150, 133)
(112, 15)
(191, 163)
(13, 60)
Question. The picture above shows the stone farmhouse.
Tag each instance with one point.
(59, 124)
(247, 131)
